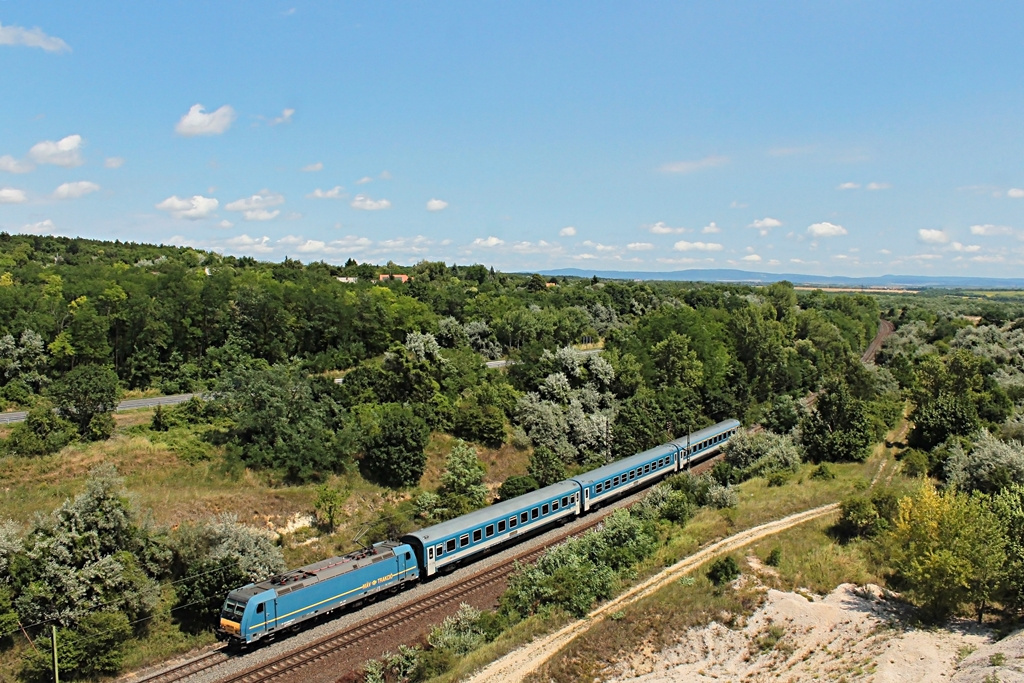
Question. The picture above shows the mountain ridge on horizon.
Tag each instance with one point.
(748, 276)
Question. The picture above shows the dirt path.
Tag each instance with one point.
(518, 664)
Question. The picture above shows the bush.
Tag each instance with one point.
(915, 463)
(858, 518)
(517, 485)
(723, 570)
(95, 648)
(43, 432)
(761, 454)
(824, 471)
(991, 466)
(721, 497)
(86, 396)
(774, 557)
(394, 454)
(778, 479)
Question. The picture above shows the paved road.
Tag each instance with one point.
(131, 404)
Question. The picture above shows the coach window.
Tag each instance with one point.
(477, 535)
(489, 531)
(534, 513)
(450, 546)
(501, 526)
(512, 522)
(615, 481)
(463, 540)
(647, 468)
(439, 550)
(599, 487)
(607, 484)
(632, 474)
(524, 517)
(545, 509)
(554, 505)
(565, 501)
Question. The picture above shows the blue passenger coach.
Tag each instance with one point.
(260, 609)
(704, 443)
(614, 479)
(452, 541)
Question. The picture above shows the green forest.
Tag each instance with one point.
(367, 402)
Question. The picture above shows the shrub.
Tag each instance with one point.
(774, 557)
(43, 432)
(95, 648)
(915, 463)
(394, 446)
(824, 471)
(991, 465)
(761, 454)
(723, 570)
(517, 485)
(721, 497)
(778, 478)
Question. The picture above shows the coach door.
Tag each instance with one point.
(586, 498)
(430, 559)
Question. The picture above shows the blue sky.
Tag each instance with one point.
(852, 138)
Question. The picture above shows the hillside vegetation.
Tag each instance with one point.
(418, 430)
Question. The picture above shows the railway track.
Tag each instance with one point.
(187, 669)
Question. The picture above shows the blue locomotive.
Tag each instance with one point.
(283, 601)
(268, 607)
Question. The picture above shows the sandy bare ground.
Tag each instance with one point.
(853, 633)
(519, 663)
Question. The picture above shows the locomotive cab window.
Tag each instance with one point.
(477, 535)
(259, 608)
(408, 557)
(501, 526)
(450, 546)
(489, 531)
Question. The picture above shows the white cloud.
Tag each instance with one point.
(261, 214)
(1015, 193)
(884, 251)
(660, 228)
(878, 186)
(848, 186)
(583, 257)
(598, 246)
(825, 229)
(683, 245)
(313, 168)
(255, 208)
(751, 257)
(16, 35)
(965, 248)
(75, 190)
(365, 179)
(336, 192)
(66, 152)
(639, 246)
(285, 117)
(437, 205)
(352, 243)
(41, 228)
(12, 165)
(711, 229)
(567, 231)
(10, 195)
(539, 247)
(225, 224)
(258, 245)
(365, 203)
(932, 236)
(488, 242)
(691, 166)
(190, 208)
(113, 162)
(925, 257)
(989, 230)
(198, 122)
(385, 175)
(764, 225)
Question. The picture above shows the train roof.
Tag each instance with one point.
(707, 432)
(491, 512)
(613, 469)
(318, 571)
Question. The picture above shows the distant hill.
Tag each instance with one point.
(747, 276)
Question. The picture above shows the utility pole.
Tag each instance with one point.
(53, 639)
